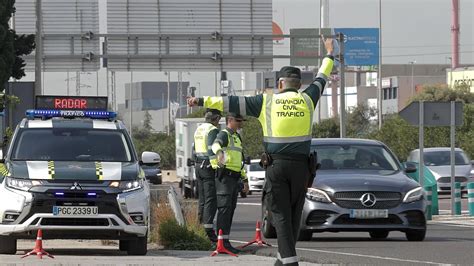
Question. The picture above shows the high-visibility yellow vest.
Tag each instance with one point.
(233, 152)
(286, 117)
(200, 143)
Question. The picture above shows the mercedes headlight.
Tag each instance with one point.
(127, 186)
(413, 195)
(21, 184)
(317, 195)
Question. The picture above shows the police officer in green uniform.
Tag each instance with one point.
(205, 165)
(228, 148)
(286, 118)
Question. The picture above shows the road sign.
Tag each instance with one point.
(435, 113)
(361, 46)
(304, 51)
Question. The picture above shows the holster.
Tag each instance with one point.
(265, 160)
(313, 167)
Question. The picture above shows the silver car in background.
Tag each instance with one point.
(438, 161)
(255, 175)
(360, 187)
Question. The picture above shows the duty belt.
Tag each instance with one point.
(290, 157)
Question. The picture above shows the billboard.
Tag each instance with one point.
(68, 29)
(189, 35)
(461, 77)
(361, 46)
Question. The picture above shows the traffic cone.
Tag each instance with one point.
(38, 250)
(220, 246)
(257, 239)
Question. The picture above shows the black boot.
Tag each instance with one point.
(211, 235)
(230, 248)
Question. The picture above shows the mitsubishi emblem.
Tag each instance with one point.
(76, 186)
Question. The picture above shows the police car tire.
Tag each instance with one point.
(7, 245)
(123, 245)
(416, 235)
(137, 246)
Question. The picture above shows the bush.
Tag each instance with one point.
(167, 232)
(174, 236)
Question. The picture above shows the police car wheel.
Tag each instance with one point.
(305, 235)
(7, 245)
(416, 235)
(137, 246)
(123, 245)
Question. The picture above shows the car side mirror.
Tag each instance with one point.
(410, 167)
(247, 160)
(149, 157)
(190, 162)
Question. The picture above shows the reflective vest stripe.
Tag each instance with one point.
(232, 149)
(268, 114)
(225, 101)
(242, 106)
(287, 260)
(202, 154)
(311, 107)
(286, 139)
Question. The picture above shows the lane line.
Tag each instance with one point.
(357, 255)
(249, 204)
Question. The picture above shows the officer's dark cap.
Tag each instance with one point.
(213, 111)
(212, 115)
(236, 116)
(290, 72)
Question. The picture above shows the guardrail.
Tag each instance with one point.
(470, 198)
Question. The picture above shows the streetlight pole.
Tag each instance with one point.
(412, 72)
(379, 72)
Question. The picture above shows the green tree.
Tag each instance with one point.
(359, 123)
(147, 122)
(327, 128)
(252, 137)
(402, 137)
(12, 47)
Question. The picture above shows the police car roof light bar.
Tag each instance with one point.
(48, 114)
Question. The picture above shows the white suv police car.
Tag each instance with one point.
(72, 171)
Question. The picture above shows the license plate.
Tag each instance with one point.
(368, 214)
(75, 210)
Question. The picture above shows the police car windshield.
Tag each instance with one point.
(71, 144)
(355, 157)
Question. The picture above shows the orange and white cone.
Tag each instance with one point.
(220, 246)
(38, 250)
(258, 238)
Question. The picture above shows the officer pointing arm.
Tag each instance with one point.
(286, 118)
(252, 105)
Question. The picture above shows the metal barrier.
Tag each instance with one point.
(470, 198)
(457, 198)
(429, 207)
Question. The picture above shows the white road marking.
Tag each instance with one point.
(356, 255)
(249, 204)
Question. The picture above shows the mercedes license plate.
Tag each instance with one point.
(369, 214)
(75, 210)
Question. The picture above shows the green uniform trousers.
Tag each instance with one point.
(227, 191)
(207, 196)
(284, 192)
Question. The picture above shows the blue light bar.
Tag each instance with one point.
(46, 114)
(59, 193)
(92, 194)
